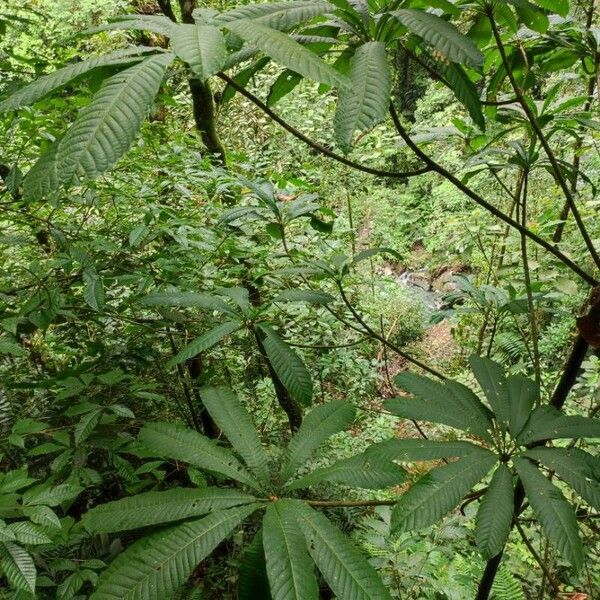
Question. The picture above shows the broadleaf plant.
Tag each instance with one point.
(296, 538)
(508, 440)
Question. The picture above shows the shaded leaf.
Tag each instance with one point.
(156, 508)
(440, 490)
(289, 566)
(555, 514)
(495, 515)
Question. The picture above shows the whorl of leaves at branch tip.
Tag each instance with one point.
(511, 400)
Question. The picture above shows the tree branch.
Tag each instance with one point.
(532, 118)
(315, 145)
(437, 168)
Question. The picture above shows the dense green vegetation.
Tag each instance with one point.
(299, 299)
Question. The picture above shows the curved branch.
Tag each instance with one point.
(532, 118)
(315, 145)
(382, 339)
(437, 168)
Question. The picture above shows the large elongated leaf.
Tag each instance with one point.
(156, 566)
(154, 23)
(523, 393)
(560, 7)
(189, 446)
(547, 423)
(188, 299)
(252, 580)
(289, 566)
(490, 376)
(282, 86)
(204, 342)
(408, 450)
(277, 15)
(578, 468)
(27, 533)
(365, 470)
(364, 102)
(291, 371)
(310, 296)
(18, 567)
(105, 128)
(202, 47)
(42, 179)
(464, 89)
(241, 78)
(235, 422)
(495, 514)
(284, 50)
(42, 86)
(156, 508)
(531, 15)
(318, 426)
(555, 514)
(440, 490)
(443, 36)
(343, 567)
(450, 403)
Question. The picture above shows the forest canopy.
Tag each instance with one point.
(299, 299)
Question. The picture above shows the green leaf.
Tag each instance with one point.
(239, 295)
(464, 89)
(235, 422)
(93, 292)
(365, 470)
(283, 85)
(188, 299)
(47, 495)
(290, 370)
(440, 34)
(204, 342)
(277, 15)
(252, 580)
(156, 508)
(284, 50)
(310, 296)
(574, 466)
(560, 7)
(289, 566)
(365, 102)
(523, 394)
(42, 179)
(450, 403)
(408, 450)
(242, 78)
(440, 490)
(547, 423)
(531, 15)
(28, 533)
(154, 567)
(343, 567)
(86, 425)
(490, 376)
(317, 427)
(154, 23)
(42, 515)
(495, 514)
(202, 47)
(105, 128)
(191, 447)
(18, 567)
(42, 86)
(554, 513)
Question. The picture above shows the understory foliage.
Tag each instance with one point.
(288, 299)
